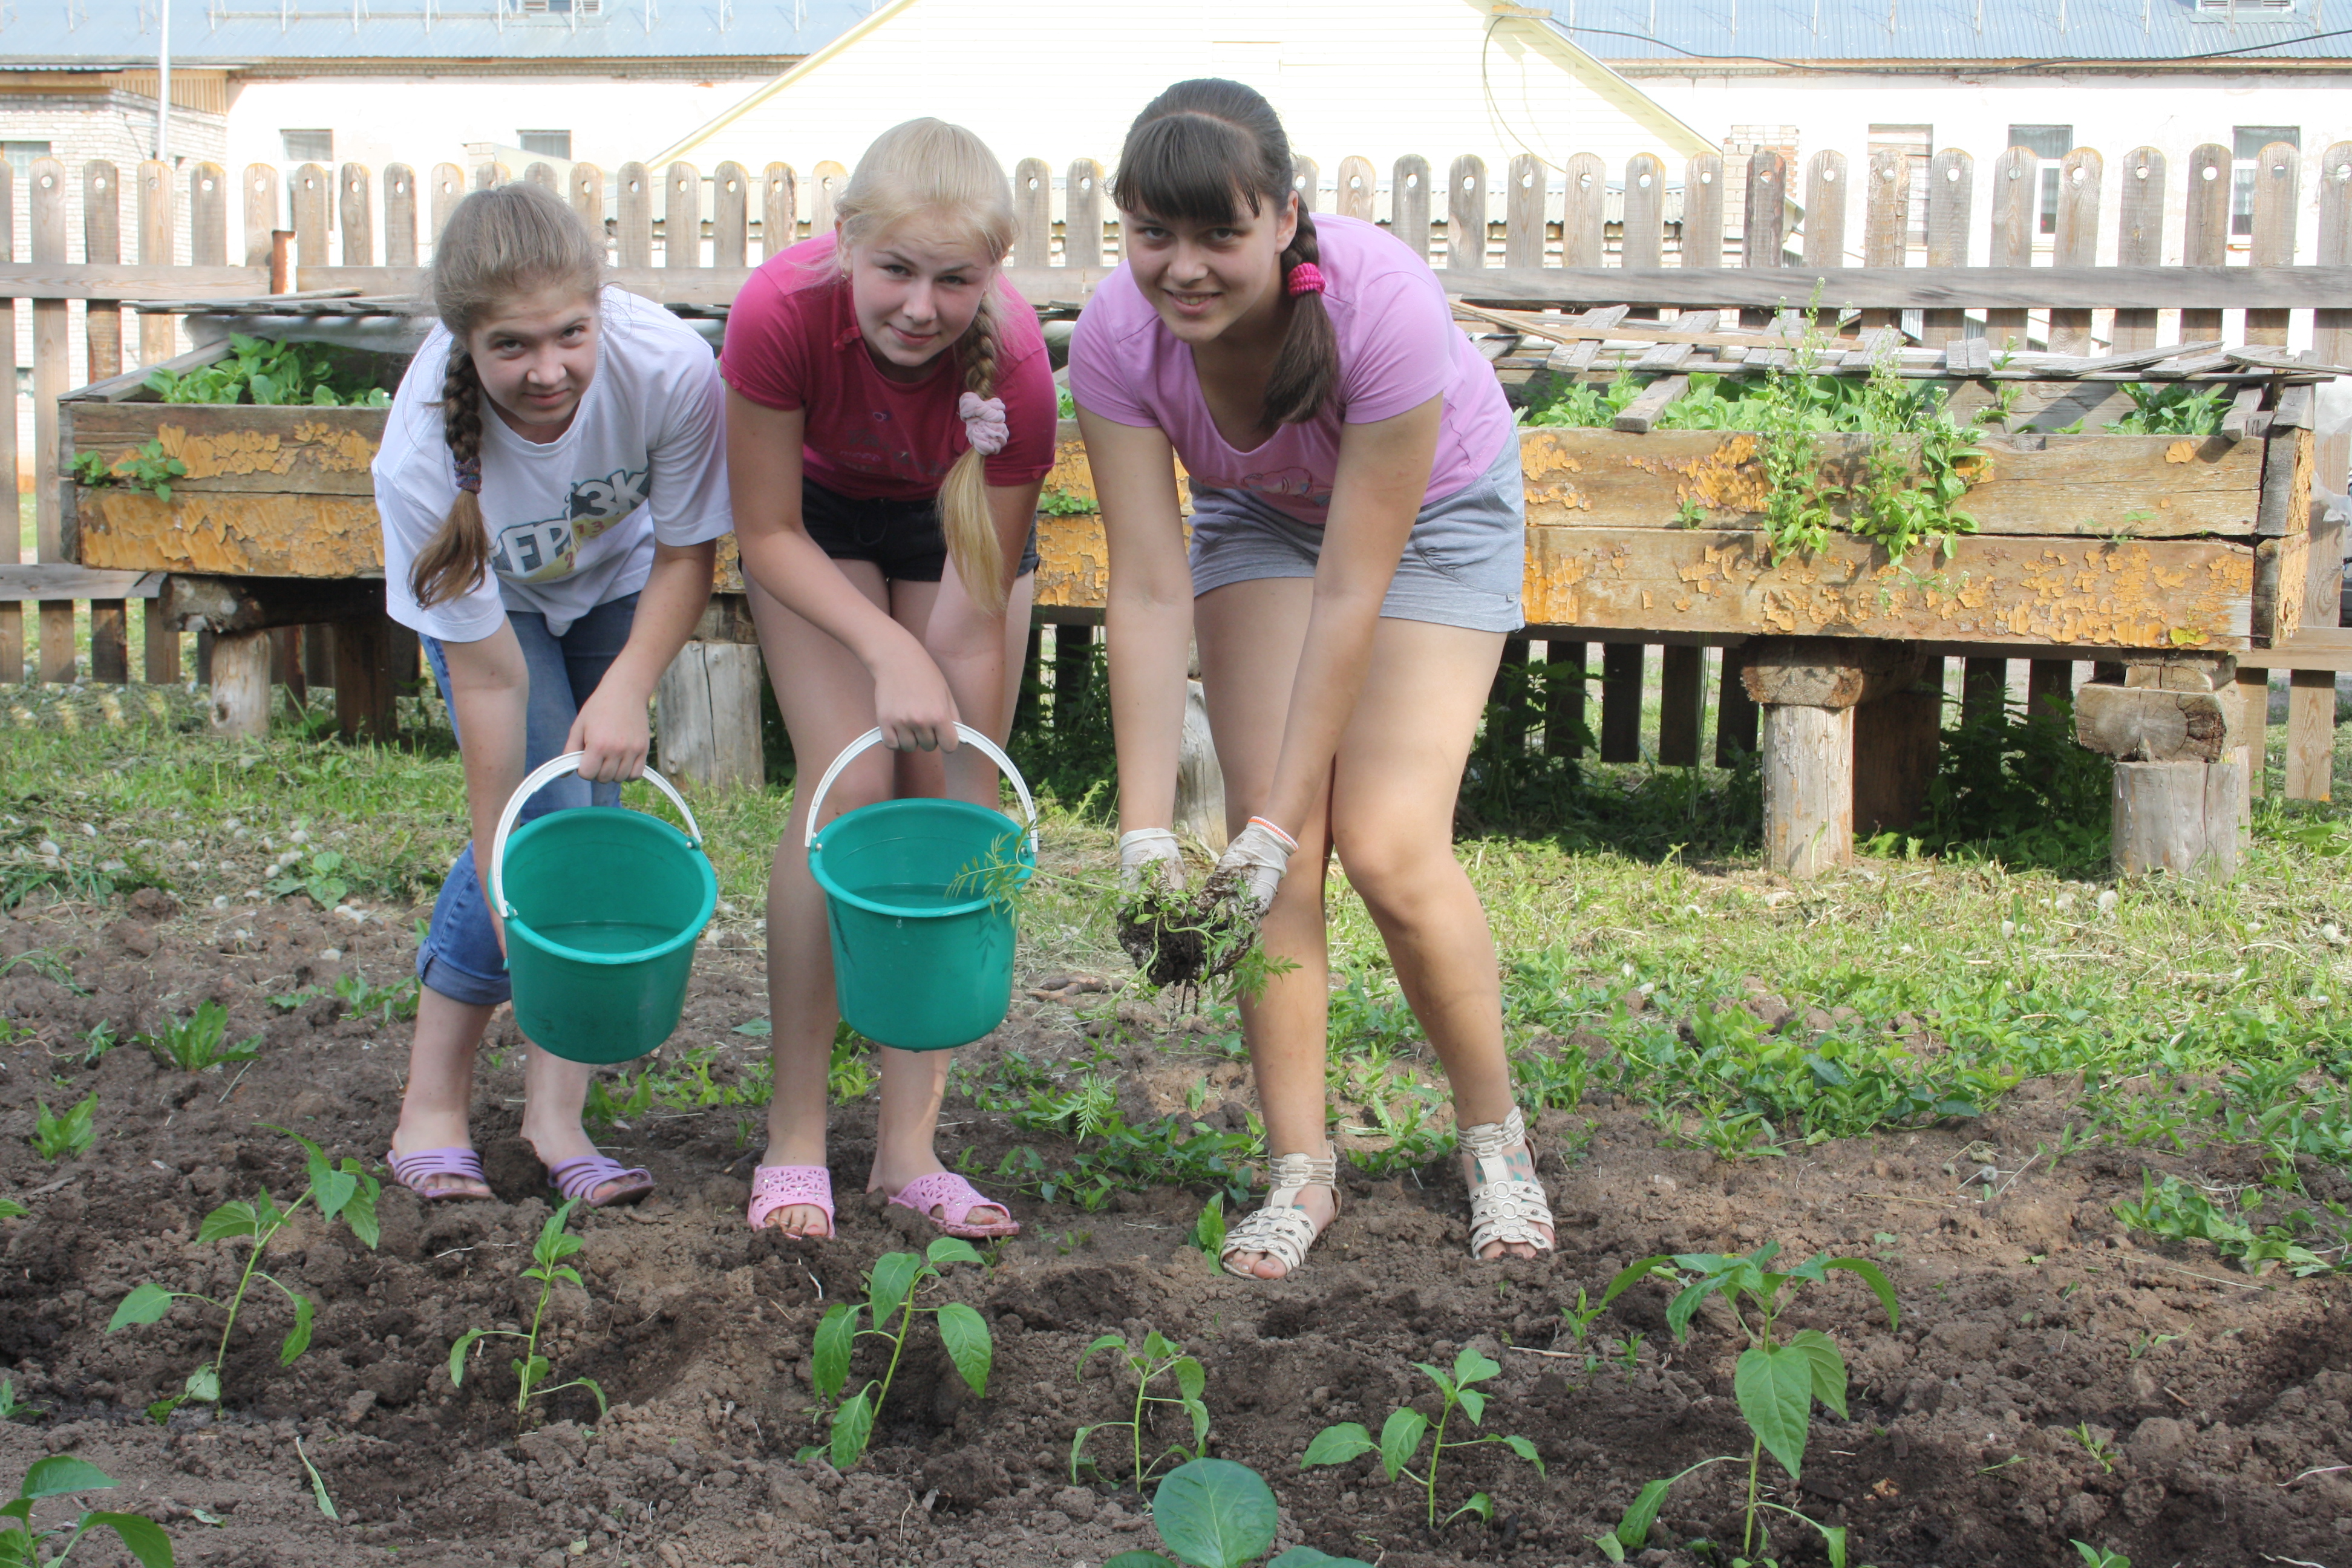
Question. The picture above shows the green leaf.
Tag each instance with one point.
(1190, 1379)
(331, 1190)
(1138, 1560)
(1527, 1450)
(235, 1218)
(1471, 1367)
(11, 1209)
(1874, 1276)
(829, 1355)
(1401, 1438)
(952, 1250)
(1199, 1415)
(1444, 1384)
(1828, 1367)
(142, 1536)
(359, 1213)
(1213, 1513)
(965, 1333)
(1338, 1444)
(146, 1304)
(458, 1350)
(1102, 1342)
(852, 1425)
(1303, 1557)
(1685, 1303)
(886, 1288)
(1775, 1390)
(318, 1485)
(1632, 1532)
(60, 1474)
(1473, 1404)
(202, 1385)
(1209, 1230)
(1480, 1504)
(298, 1337)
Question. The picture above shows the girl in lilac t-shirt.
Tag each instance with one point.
(1358, 537)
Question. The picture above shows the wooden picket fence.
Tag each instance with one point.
(1535, 236)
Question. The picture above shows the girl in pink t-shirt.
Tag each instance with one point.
(889, 422)
(1357, 542)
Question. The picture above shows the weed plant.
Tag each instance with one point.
(62, 1475)
(346, 1191)
(200, 1041)
(2176, 1210)
(1157, 1357)
(387, 1004)
(1402, 1434)
(898, 1278)
(67, 1136)
(532, 1369)
(2017, 789)
(2172, 408)
(13, 1408)
(149, 468)
(11, 1209)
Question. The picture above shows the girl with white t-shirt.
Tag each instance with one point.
(553, 483)
(1356, 541)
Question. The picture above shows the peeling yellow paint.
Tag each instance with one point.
(2181, 452)
(1728, 479)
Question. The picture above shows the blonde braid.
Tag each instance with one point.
(454, 560)
(965, 517)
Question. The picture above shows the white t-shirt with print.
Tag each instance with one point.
(573, 521)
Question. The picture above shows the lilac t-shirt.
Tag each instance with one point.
(1398, 348)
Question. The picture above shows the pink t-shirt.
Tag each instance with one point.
(1398, 348)
(792, 342)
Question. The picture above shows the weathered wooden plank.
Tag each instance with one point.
(2331, 341)
(65, 580)
(587, 198)
(290, 536)
(1082, 212)
(1951, 187)
(490, 176)
(542, 174)
(1764, 223)
(730, 216)
(633, 213)
(2205, 236)
(1641, 416)
(1408, 200)
(2277, 175)
(2189, 593)
(1523, 219)
(708, 704)
(399, 215)
(2139, 239)
(52, 374)
(1584, 217)
(236, 448)
(682, 216)
(1358, 188)
(1563, 719)
(311, 191)
(1886, 220)
(1807, 765)
(1735, 713)
(1033, 212)
(208, 188)
(1305, 180)
(2184, 819)
(1682, 705)
(1960, 288)
(779, 205)
(1895, 741)
(2077, 244)
(158, 336)
(448, 188)
(1642, 248)
(102, 240)
(2014, 203)
(2311, 734)
(356, 207)
(12, 613)
(1826, 192)
(1621, 702)
(259, 212)
(1466, 215)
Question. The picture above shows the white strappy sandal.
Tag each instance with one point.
(1502, 1206)
(1281, 1229)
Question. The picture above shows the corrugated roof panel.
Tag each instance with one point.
(1926, 30)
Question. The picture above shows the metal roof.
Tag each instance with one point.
(212, 34)
(1935, 31)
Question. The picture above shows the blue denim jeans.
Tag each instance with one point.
(459, 957)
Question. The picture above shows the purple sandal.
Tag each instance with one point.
(579, 1179)
(413, 1171)
(777, 1187)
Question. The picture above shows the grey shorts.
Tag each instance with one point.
(1463, 565)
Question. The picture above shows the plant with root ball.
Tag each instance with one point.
(532, 1369)
(890, 1290)
(62, 1474)
(1158, 1357)
(1777, 1381)
(1213, 1513)
(1401, 1436)
(344, 1192)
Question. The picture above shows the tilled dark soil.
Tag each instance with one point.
(2218, 1404)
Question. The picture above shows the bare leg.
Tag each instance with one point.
(433, 1112)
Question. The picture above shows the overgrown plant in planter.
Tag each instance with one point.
(890, 1289)
(346, 1191)
(1402, 1434)
(1213, 1513)
(1777, 1381)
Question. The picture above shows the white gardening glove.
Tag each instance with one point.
(1148, 856)
(1254, 863)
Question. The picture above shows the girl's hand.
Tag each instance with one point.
(1251, 871)
(611, 730)
(912, 705)
(1149, 858)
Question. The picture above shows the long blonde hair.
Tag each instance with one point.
(501, 242)
(927, 168)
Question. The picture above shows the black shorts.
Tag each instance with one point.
(902, 537)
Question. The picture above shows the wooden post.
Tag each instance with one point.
(1826, 189)
(2205, 242)
(1409, 203)
(1564, 670)
(1621, 702)
(1984, 688)
(2254, 716)
(399, 216)
(1509, 693)
(1584, 219)
(707, 710)
(730, 216)
(1642, 235)
(633, 222)
(587, 198)
(1682, 705)
(12, 612)
(1082, 213)
(1466, 214)
(101, 230)
(825, 182)
(1895, 743)
(1885, 233)
(1072, 653)
(240, 683)
(1703, 211)
(2311, 734)
(1199, 780)
(1357, 188)
(1025, 706)
(2181, 817)
(1951, 188)
(1523, 220)
(682, 216)
(51, 378)
(2079, 174)
(366, 694)
(2139, 239)
(1809, 687)
(357, 211)
(779, 205)
(448, 188)
(1736, 715)
(2173, 727)
(2277, 175)
(309, 195)
(1306, 179)
(1033, 212)
(2016, 194)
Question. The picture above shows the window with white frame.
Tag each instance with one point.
(314, 146)
(546, 143)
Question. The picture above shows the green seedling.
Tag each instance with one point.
(532, 1369)
(150, 468)
(1777, 1379)
(62, 1474)
(1580, 1316)
(344, 1192)
(13, 1408)
(890, 1289)
(1213, 1513)
(1629, 1349)
(67, 1136)
(11, 1209)
(200, 1041)
(2096, 1557)
(320, 879)
(2145, 1342)
(1209, 1230)
(388, 1004)
(318, 1484)
(1402, 1434)
(1158, 1357)
(2094, 1445)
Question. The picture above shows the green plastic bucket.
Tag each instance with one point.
(603, 908)
(918, 900)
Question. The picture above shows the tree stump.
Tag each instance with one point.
(2181, 817)
(708, 714)
(2176, 727)
(1199, 780)
(240, 683)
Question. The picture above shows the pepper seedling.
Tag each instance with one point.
(1401, 1436)
(1158, 1357)
(890, 1289)
(532, 1369)
(62, 1475)
(1213, 1513)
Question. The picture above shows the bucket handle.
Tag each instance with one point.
(541, 775)
(964, 732)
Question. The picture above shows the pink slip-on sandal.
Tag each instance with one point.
(777, 1187)
(413, 1171)
(955, 1198)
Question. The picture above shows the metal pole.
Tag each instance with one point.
(164, 88)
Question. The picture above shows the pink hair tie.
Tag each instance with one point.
(984, 423)
(469, 473)
(1307, 278)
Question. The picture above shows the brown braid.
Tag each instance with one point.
(453, 562)
(964, 516)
